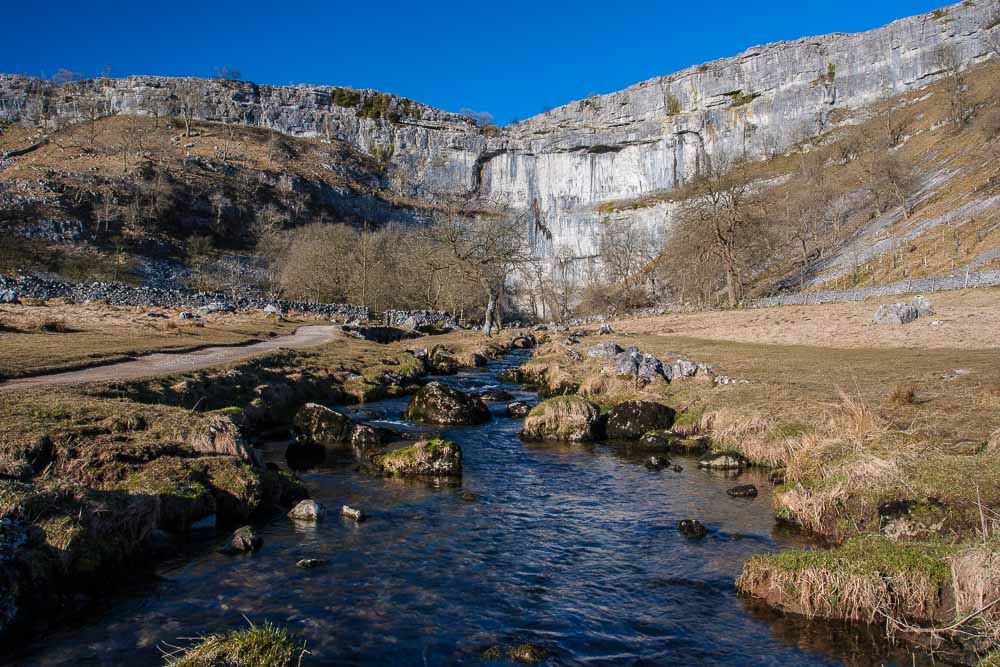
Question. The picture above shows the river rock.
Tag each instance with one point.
(518, 409)
(743, 491)
(633, 419)
(323, 426)
(352, 513)
(442, 362)
(243, 540)
(662, 440)
(310, 563)
(426, 458)
(605, 330)
(307, 510)
(570, 418)
(657, 462)
(724, 461)
(528, 654)
(496, 395)
(366, 437)
(523, 342)
(692, 529)
(605, 351)
(437, 403)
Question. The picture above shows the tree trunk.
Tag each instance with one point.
(731, 286)
(491, 308)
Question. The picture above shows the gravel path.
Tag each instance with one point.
(165, 363)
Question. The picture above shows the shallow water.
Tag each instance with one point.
(574, 547)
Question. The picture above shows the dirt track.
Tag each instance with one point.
(163, 364)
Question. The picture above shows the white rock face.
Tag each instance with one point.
(563, 164)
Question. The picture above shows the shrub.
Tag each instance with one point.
(345, 97)
(673, 105)
(903, 394)
(54, 326)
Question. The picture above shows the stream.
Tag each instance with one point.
(573, 547)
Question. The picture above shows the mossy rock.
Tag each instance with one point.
(181, 487)
(567, 418)
(630, 420)
(324, 427)
(283, 489)
(438, 458)
(191, 489)
(437, 403)
(362, 391)
(728, 460)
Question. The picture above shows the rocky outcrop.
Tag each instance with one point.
(563, 164)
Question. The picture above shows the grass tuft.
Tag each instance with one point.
(264, 645)
(903, 394)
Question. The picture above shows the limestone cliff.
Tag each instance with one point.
(563, 164)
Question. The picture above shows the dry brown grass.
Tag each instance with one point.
(868, 579)
(976, 583)
(970, 319)
(563, 418)
(59, 337)
(904, 393)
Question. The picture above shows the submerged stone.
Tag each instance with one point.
(692, 529)
(743, 491)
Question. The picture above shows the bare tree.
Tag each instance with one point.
(187, 95)
(625, 247)
(487, 241)
(724, 220)
(891, 178)
(960, 105)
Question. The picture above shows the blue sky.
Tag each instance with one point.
(511, 59)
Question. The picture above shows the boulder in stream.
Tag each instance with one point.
(633, 419)
(437, 403)
(438, 458)
(743, 491)
(518, 409)
(692, 529)
(243, 540)
(570, 418)
(657, 463)
(724, 461)
(325, 427)
(307, 510)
